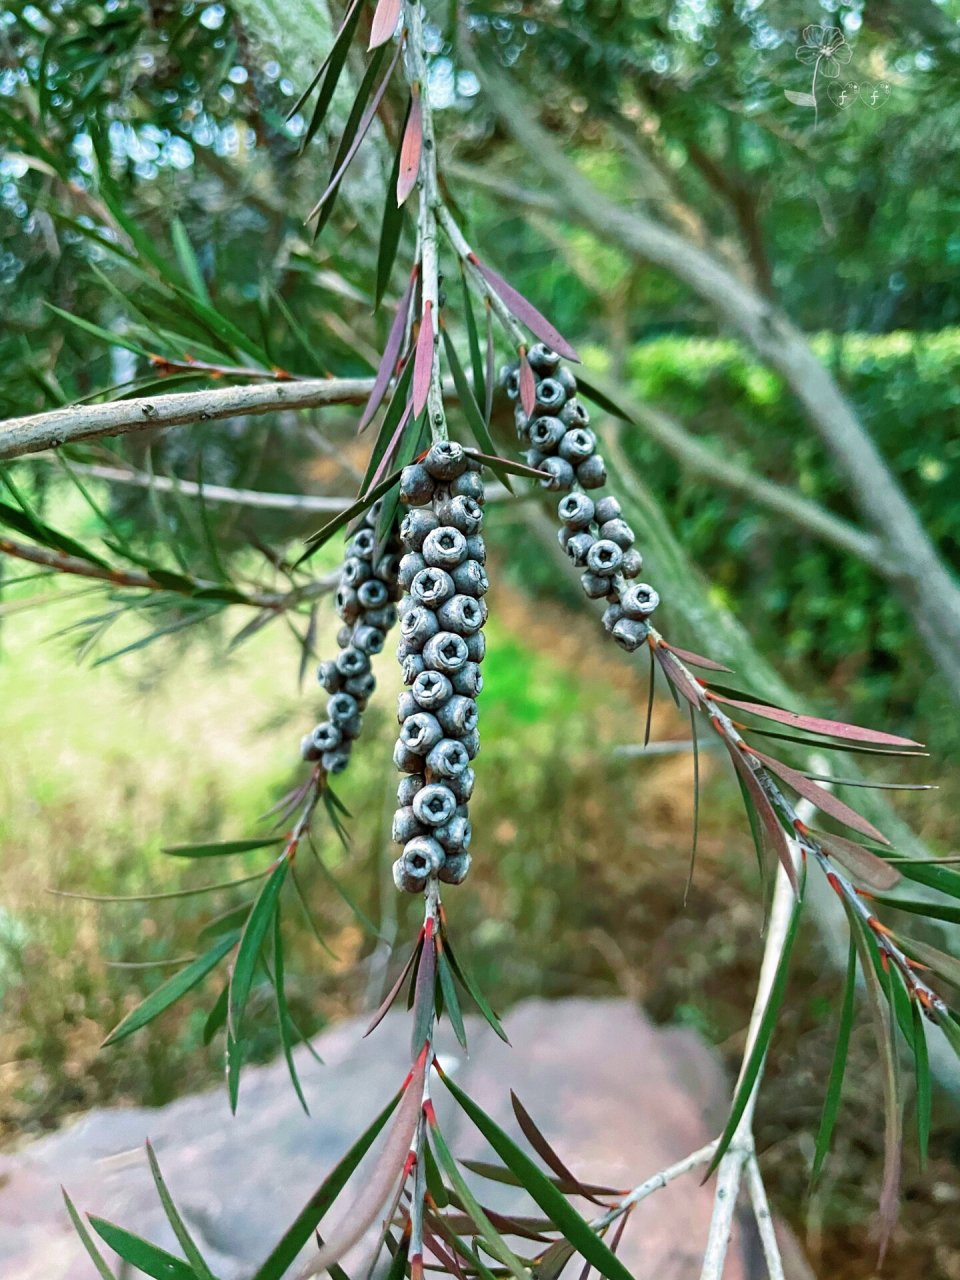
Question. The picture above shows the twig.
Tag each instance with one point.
(764, 1219)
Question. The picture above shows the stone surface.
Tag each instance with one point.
(618, 1097)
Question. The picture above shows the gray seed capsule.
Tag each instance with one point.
(431, 587)
(476, 647)
(347, 603)
(363, 544)
(639, 600)
(594, 586)
(410, 667)
(550, 395)
(423, 856)
(406, 761)
(335, 761)
(462, 785)
(386, 567)
(576, 510)
(420, 732)
(445, 460)
(447, 758)
(431, 690)
(632, 563)
(361, 687)
(542, 359)
(341, 707)
(462, 615)
(354, 571)
(410, 565)
(467, 680)
(415, 526)
(604, 558)
(520, 421)
(407, 706)
(445, 652)
(546, 433)
(416, 485)
(630, 634)
(329, 676)
(406, 880)
(308, 748)
(434, 805)
(445, 548)
(534, 458)
(574, 414)
(469, 485)
(560, 475)
(383, 618)
(510, 380)
(470, 578)
(454, 836)
(373, 594)
(462, 513)
(368, 639)
(372, 516)
(351, 728)
(611, 616)
(457, 716)
(618, 531)
(406, 825)
(471, 743)
(353, 662)
(455, 868)
(477, 549)
(327, 736)
(592, 474)
(566, 379)
(408, 787)
(608, 508)
(578, 547)
(577, 445)
(417, 627)
(344, 636)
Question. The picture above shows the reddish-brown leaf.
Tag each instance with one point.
(543, 1148)
(823, 800)
(528, 387)
(391, 447)
(814, 724)
(410, 148)
(394, 991)
(385, 19)
(527, 313)
(679, 678)
(391, 354)
(423, 361)
(860, 862)
(694, 659)
(376, 1188)
(776, 836)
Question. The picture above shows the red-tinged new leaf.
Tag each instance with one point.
(860, 862)
(528, 387)
(814, 724)
(411, 148)
(385, 20)
(391, 446)
(776, 836)
(527, 313)
(394, 991)
(383, 1177)
(823, 800)
(390, 358)
(425, 996)
(695, 659)
(543, 1148)
(423, 361)
(678, 678)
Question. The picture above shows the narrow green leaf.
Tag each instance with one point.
(146, 1257)
(301, 1230)
(185, 1240)
(922, 1068)
(831, 1105)
(283, 1013)
(171, 991)
(451, 1001)
(539, 1187)
(334, 66)
(217, 1017)
(188, 261)
(109, 336)
(768, 1021)
(942, 964)
(435, 1183)
(343, 518)
(469, 984)
(96, 1257)
(473, 341)
(353, 123)
(944, 879)
(416, 437)
(588, 391)
(469, 405)
(932, 910)
(221, 847)
(27, 523)
(391, 420)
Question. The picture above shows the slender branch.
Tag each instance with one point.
(764, 1219)
(76, 566)
(76, 423)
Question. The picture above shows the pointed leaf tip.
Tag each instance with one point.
(385, 20)
(528, 387)
(528, 314)
(423, 361)
(411, 148)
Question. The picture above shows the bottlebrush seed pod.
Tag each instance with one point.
(444, 548)
(462, 785)
(341, 706)
(361, 687)
(595, 586)
(431, 587)
(420, 732)
(446, 759)
(630, 634)
(406, 880)
(564, 535)
(329, 676)
(566, 379)
(457, 716)
(476, 549)
(411, 666)
(462, 615)
(406, 825)
(604, 558)
(408, 787)
(430, 690)
(510, 380)
(350, 729)
(344, 635)
(476, 646)
(467, 680)
(611, 616)
(608, 508)
(639, 600)
(578, 547)
(534, 458)
(574, 414)
(415, 526)
(445, 652)
(455, 868)
(454, 836)
(347, 603)
(576, 510)
(462, 513)
(416, 485)
(372, 594)
(446, 460)
(632, 563)
(618, 531)
(326, 736)
(335, 761)
(577, 445)
(560, 474)
(368, 639)
(354, 571)
(407, 761)
(550, 395)
(407, 705)
(434, 805)
(384, 618)
(362, 544)
(417, 627)
(592, 474)
(470, 578)
(410, 566)
(422, 856)
(471, 743)
(542, 359)
(469, 485)
(353, 662)
(309, 750)
(546, 433)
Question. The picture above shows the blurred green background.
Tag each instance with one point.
(145, 145)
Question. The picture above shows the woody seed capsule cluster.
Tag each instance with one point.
(594, 534)
(366, 604)
(442, 613)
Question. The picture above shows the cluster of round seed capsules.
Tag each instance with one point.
(594, 534)
(366, 604)
(442, 613)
